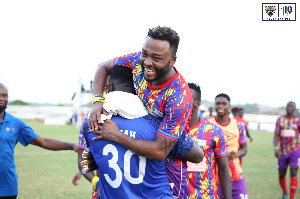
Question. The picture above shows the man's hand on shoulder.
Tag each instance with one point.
(108, 131)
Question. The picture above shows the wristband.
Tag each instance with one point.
(276, 148)
(98, 98)
(70, 146)
(95, 180)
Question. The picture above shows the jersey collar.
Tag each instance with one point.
(221, 123)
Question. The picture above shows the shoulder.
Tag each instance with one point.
(135, 55)
(12, 119)
(240, 125)
(280, 117)
(212, 119)
(179, 90)
(213, 127)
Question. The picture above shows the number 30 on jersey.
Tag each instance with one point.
(112, 163)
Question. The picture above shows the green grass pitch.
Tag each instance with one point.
(47, 174)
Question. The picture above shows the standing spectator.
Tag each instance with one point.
(12, 131)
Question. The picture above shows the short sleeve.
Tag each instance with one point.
(220, 142)
(26, 134)
(242, 132)
(183, 146)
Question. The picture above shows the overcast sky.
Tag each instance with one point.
(46, 47)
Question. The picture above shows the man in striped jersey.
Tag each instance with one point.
(287, 133)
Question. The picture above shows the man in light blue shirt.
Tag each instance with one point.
(12, 131)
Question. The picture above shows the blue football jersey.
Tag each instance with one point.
(122, 173)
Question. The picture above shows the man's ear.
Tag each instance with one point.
(111, 87)
(198, 103)
(173, 60)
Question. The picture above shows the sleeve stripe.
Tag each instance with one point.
(242, 142)
(222, 154)
(172, 137)
(81, 147)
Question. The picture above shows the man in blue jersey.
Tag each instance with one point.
(122, 172)
(12, 131)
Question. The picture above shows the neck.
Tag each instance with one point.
(290, 115)
(164, 79)
(2, 116)
(194, 119)
(223, 119)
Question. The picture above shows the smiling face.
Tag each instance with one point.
(3, 97)
(156, 60)
(222, 106)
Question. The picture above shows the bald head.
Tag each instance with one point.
(3, 86)
(3, 97)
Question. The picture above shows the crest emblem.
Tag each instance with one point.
(270, 10)
(7, 129)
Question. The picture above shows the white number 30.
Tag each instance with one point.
(112, 163)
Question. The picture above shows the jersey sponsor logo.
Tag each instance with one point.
(9, 130)
(155, 112)
(288, 133)
(294, 126)
(197, 167)
(200, 142)
(229, 136)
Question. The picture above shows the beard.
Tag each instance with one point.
(2, 108)
(160, 73)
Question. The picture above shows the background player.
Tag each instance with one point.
(210, 109)
(12, 131)
(287, 133)
(239, 117)
(201, 178)
(236, 141)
